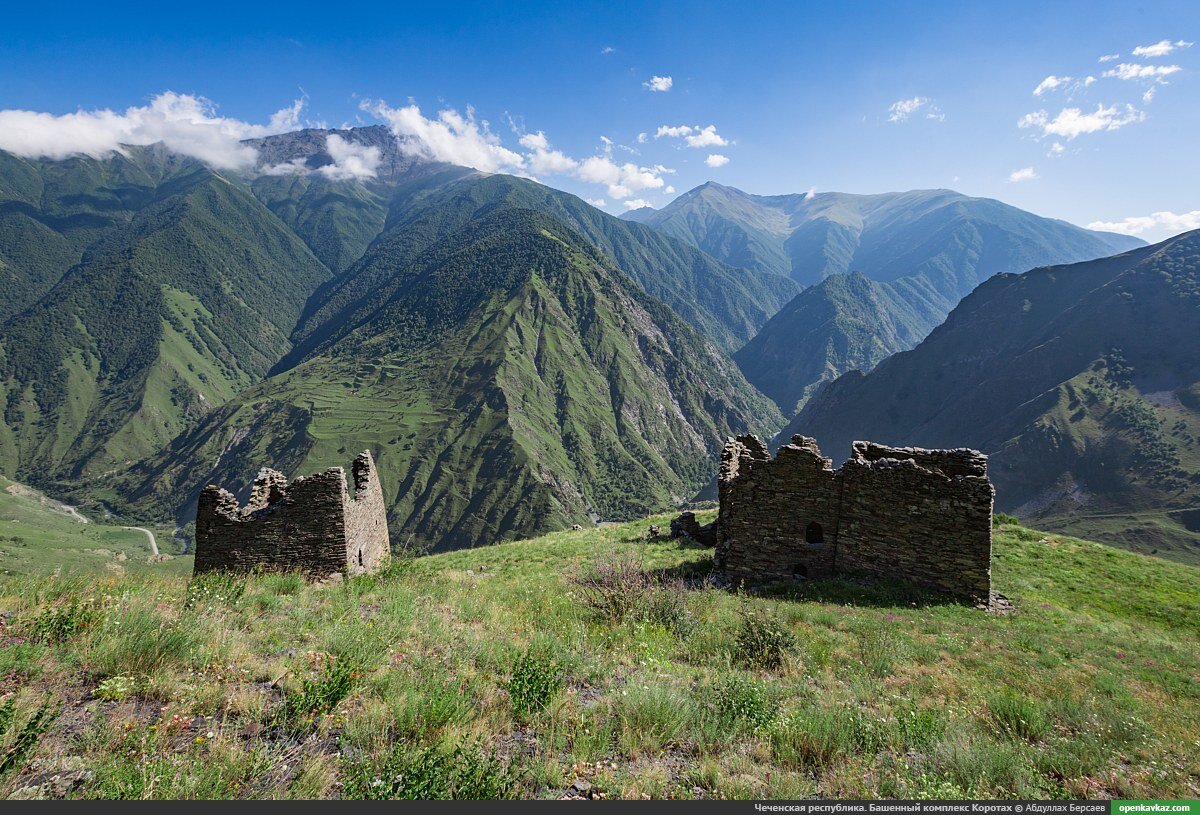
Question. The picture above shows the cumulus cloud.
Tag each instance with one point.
(641, 138)
(903, 109)
(1023, 174)
(1109, 58)
(1160, 48)
(608, 49)
(662, 84)
(694, 135)
(1073, 122)
(1132, 70)
(449, 137)
(350, 159)
(1170, 222)
(811, 194)
(186, 124)
(635, 203)
(1050, 83)
(716, 160)
(1056, 150)
(596, 202)
(620, 180)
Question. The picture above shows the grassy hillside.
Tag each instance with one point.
(487, 673)
(509, 380)
(39, 536)
(163, 319)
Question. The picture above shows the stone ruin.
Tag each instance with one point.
(903, 513)
(312, 525)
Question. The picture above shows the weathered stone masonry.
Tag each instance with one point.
(312, 525)
(921, 516)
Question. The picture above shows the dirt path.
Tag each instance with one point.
(74, 513)
(149, 535)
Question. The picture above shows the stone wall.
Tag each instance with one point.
(367, 544)
(922, 516)
(312, 525)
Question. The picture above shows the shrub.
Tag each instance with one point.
(137, 641)
(616, 589)
(321, 694)
(1015, 715)
(762, 640)
(1004, 519)
(815, 736)
(210, 590)
(62, 621)
(535, 682)
(429, 774)
(743, 700)
(17, 742)
(116, 688)
(613, 585)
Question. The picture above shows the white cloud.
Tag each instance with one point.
(635, 203)
(608, 49)
(641, 138)
(1160, 48)
(450, 137)
(1023, 174)
(1056, 149)
(1130, 70)
(902, 109)
(672, 131)
(1072, 122)
(1148, 96)
(1088, 81)
(1050, 83)
(621, 180)
(706, 137)
(811, 194)
(1109, 57)
(535, 141)
(669, 190)
(695, 135)
(716, 160)
(350, 159)
(596, 202)
(1170, 222)
(661, 84)
(184, 123)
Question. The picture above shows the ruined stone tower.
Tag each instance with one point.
(312, 525)
(904, 513)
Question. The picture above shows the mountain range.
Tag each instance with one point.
(919, 253)
(1082, 382)
(516, 359)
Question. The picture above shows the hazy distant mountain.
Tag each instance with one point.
(927, 249)
(845, 322)
(1082, 382)
(640, 215)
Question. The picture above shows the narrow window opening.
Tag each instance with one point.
(814, 533)
(360, 558)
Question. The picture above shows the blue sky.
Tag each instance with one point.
(863, 98)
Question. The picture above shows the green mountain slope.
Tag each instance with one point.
(164, 318)
(843, 323)
(52, 211)
(1082, 382)
(729, 305)
(509, 379)
(926, 249)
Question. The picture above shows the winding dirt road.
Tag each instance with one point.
(149, 535)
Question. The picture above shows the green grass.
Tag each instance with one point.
(484, 672)
(38, 537)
